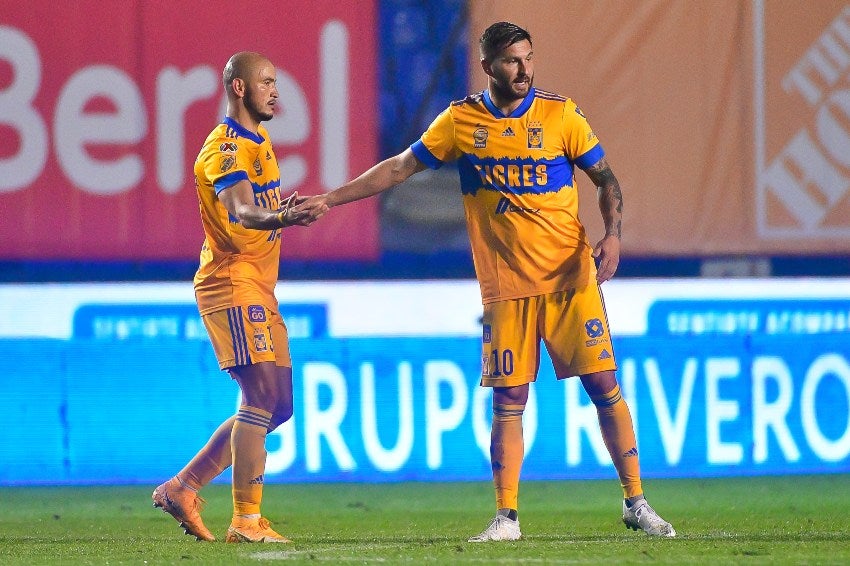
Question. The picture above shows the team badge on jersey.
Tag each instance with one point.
(227, 162)
(260, 343)
(258, 167)
(535, 135)
(479, 136)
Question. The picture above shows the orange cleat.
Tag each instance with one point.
(184, 505)
(253, 530)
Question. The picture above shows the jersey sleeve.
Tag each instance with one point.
(582, 145)
(225, 164)
(437, 145)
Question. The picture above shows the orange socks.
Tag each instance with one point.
(211, 460)
(248, 445)
(618, 432)
(506, 453)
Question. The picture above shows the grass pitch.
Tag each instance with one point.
(765, 520)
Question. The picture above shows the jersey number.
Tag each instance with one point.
(502, 365)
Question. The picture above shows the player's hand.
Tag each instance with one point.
(306, 210)
(607, 255)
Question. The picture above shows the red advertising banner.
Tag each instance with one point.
(104, 106)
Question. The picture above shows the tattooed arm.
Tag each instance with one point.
(607, 251)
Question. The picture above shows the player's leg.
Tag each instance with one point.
(510, 358)
(507, 447)
(265, 387)
(576, 334)
(179, 495)
(615, 423)
(267, 399)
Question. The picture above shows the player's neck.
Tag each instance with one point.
(506, 106)
(242, 117)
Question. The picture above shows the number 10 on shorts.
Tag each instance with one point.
(497, 363)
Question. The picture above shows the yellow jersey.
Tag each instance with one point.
(239, 266)
(517, 176)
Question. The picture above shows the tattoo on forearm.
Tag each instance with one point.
(610, 196)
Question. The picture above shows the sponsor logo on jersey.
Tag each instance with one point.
(508, 133)
(479, 137)
(257, 480)
(256, 313)
(535, 135)
(228, 147)
(604, 355)
(594, 328)
(505, 205)
(488, 334)
(631, 452)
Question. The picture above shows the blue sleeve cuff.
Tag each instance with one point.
(590, 157)
(229, 180)
(424, 155)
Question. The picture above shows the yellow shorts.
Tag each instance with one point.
(572, 325)
(248, 334)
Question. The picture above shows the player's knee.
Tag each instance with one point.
(282, 413)
(599, 383)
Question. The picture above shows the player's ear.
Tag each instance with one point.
(488, 68)
(238, 86)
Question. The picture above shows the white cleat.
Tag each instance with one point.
(500, 528)
(641, 516)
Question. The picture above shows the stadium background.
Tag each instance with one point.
(727, 122)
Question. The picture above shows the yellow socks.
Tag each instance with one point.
(211, 460)
(618, 432)
(506, 453)
(248, 445)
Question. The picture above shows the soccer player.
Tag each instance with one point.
(238, 184)
(517, 149)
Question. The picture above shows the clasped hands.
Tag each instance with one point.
(298, 210)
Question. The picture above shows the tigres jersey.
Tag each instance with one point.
(517, 175)
(239, 265)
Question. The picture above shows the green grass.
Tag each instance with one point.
(766, 520)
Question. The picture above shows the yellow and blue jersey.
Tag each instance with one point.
(517, 176)
(238, 266)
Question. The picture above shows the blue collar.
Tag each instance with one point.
(241, 131)
(518, 111)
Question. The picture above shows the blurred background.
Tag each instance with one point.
(727, 123)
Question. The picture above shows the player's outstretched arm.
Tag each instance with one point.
(610, 197)
(383, 176)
